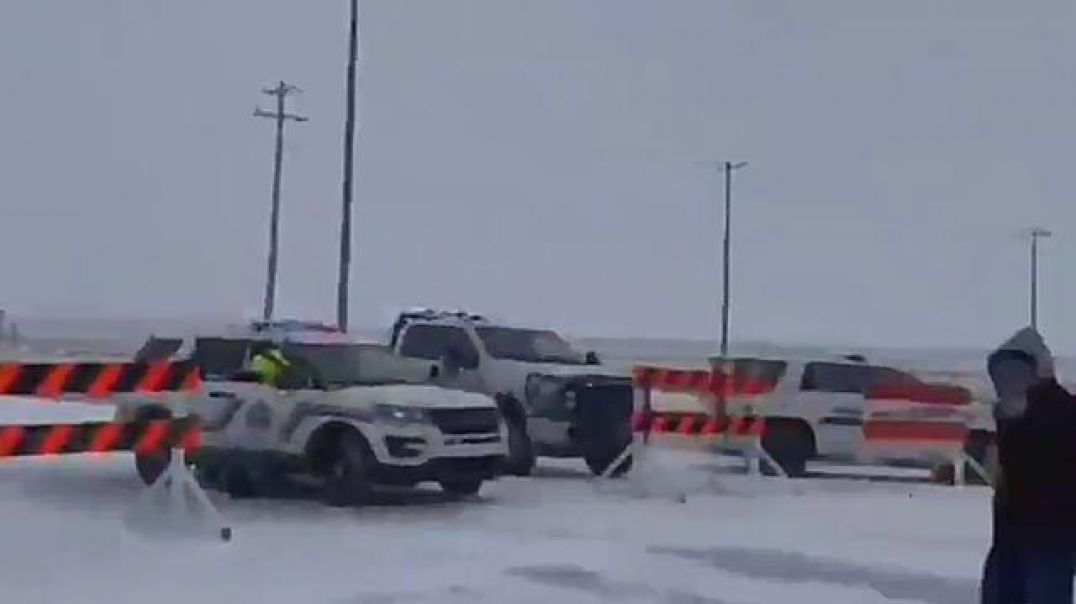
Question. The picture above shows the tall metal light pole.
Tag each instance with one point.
(728, 168)
(280, 91)
(343, 278)
(1036, 234)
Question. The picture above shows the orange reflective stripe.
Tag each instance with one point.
(10, 440)
(686, 424)
(153, 440)
(193, 381)
(56, 382)
(155, 378)
(712, 428)
(106, 438)
(9, 375)
(192, 439)
(105, 383)
(57, 440)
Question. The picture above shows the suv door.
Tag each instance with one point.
(835, 393)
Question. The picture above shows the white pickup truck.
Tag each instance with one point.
(557, 401)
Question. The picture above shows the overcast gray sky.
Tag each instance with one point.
(550, 161)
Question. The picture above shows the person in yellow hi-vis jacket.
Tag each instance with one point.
(268, 362)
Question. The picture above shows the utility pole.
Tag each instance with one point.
(280, 91)
(1036, 234)
(344, 276)
(728, 168)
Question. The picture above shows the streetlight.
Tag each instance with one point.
(1035, 234)
(344, 274)
(728, 168)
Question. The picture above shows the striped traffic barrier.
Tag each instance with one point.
(170, 438)
(923, 421)
(95, 380)
(742, 434)
(142, 437)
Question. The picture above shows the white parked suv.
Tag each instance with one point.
(815, 409)
(350, 415)
(557, 401)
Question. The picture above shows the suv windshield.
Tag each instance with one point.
(357, 364)
(529, 345)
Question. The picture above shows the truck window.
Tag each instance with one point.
(220, 357)
(432, 342)
(834, 377)
(757, 373)
(887, 377)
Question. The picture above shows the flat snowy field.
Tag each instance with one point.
(555, 537)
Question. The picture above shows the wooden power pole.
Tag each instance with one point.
(281, 92)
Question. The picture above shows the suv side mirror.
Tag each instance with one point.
(592, 358)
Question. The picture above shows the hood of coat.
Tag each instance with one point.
(1017, 364)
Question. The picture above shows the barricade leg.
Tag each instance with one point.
(177, 491)
(978, 469)
(761, 453)
(624, 455)
(958, 469)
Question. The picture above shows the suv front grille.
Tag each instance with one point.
(466, 421)
(605, 402)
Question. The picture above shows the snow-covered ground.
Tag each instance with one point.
(555, 537)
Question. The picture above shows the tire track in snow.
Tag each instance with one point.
(778, 565)
(572, 576)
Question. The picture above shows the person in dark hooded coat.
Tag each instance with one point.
(1032, 556)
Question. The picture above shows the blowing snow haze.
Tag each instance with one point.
(552, 162)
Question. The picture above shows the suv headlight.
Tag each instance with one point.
(400, 414)
(540, 386)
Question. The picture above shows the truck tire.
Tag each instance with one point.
(461, 488)
(237, 480)
(347, 481)
(521, 459)
(790, 444)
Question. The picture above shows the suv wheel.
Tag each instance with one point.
(790, 445)
(237, 480)
(461, 488)
(347, 481)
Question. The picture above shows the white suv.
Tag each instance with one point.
(815, 409)
(557, 401)
(350, 415)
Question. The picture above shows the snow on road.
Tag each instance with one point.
(553, 537)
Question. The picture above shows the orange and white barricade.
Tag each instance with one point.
(928, 422)
(100, 383)
(725, 421)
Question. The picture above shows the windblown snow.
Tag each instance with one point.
(557, 536)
